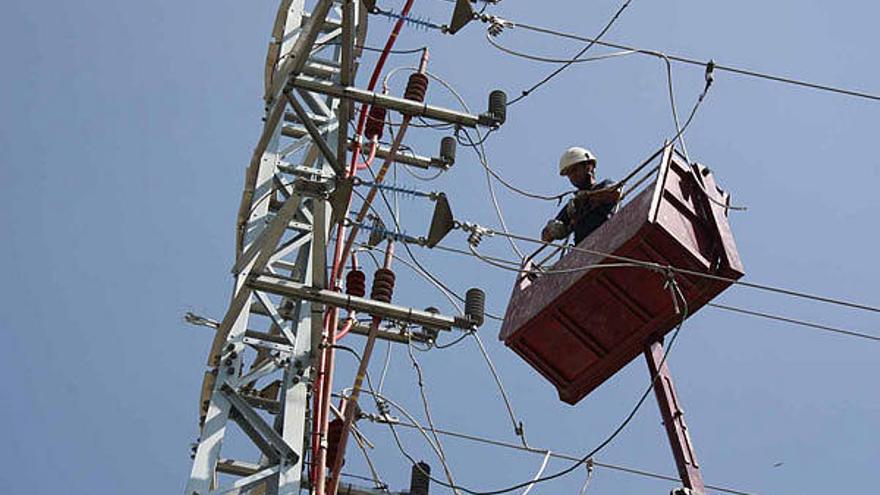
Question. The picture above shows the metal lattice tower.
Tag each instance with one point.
(273, 346)
(282, 229)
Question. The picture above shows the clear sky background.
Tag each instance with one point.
(125, 129)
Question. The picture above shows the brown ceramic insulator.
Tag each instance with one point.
(375, 123)
(416, 87)
(356, 283)
(334, 433)
(383, 285)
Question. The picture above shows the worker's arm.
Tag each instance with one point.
(558, 228)
(554, 231)
(596, 197)
(605, 196)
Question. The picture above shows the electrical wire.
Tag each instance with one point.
(385, 365)
(745, 311)
(679, 131)
(518, 427)
(425, 273)
(419, 268)
(403, 150)
(379, 397)
(550, 60)
(403, 51)
(539, 473)
(427, 409)
(393, 52)
(453, 343)
(589, 466)
(381, 485)
(677, 296)
(685, 271)
(470, 143)
(567, 457)
(679, 136)
(511, 263)
(573, 60)
(794, 321)
(380, 401)
(693, 61)
(563, 271)
(376, 478)
(481, 153)
(324, 375)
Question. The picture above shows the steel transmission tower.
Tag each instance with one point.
(282, 230)
(272, 354)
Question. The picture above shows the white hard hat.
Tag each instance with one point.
(575, 155)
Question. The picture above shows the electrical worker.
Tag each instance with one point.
(592, 204)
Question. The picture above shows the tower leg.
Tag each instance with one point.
(673, 420)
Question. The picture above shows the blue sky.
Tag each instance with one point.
(124, 134)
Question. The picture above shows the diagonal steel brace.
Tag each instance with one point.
(267, 432)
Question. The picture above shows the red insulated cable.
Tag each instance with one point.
(324, 378)
(345, 328)
(374, 146)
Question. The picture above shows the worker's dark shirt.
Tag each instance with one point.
(589, 218)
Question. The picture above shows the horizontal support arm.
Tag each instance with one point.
(289, 288)
(402, 105)
(420, 161)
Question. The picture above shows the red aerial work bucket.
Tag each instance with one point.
(578, 327)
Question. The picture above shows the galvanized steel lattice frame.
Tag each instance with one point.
(283, 225)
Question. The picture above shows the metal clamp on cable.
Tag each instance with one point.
(476, 232)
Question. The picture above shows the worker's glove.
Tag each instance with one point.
(606, 196)
(554, 230)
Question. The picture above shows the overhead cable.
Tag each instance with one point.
(794, 321)
(427, 409)
(677, 297)
(551, 60)
(685, 271)
(481, 153)
(573, 60)
(518, 427)
(513, 266)
(538, 474)
(693, 61)
(568, 457)
(545, 197)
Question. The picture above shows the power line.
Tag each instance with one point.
(693, 61)
(563, 456)
(685, 271)
(427, 408)
(551, 60)
(794, 321)
(676, 295)
(574, 59)
(514, 266)
(746, 311)
(545, 197)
